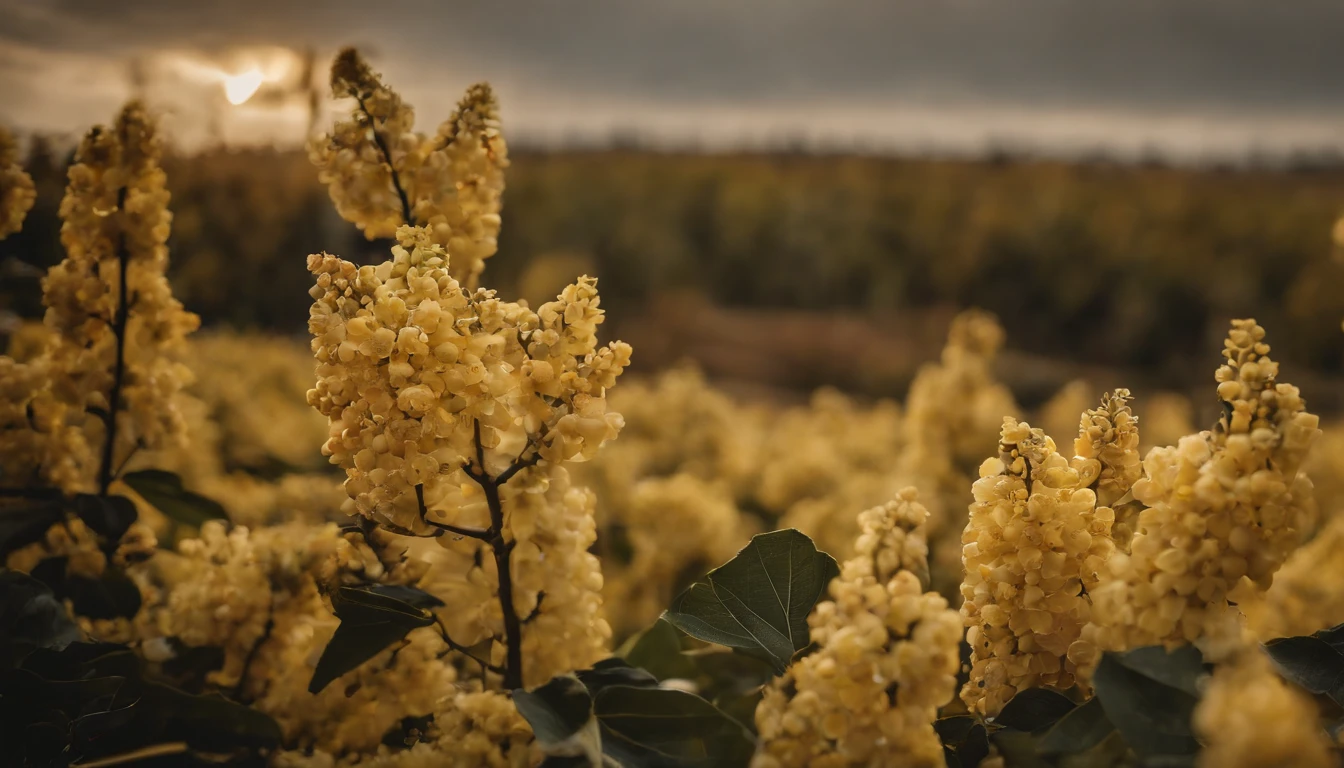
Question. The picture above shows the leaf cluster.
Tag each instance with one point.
(1140, 715)
(64, 700)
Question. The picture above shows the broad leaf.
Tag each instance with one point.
(25, 521)
(111, 595)
(665, 727)
(108, 516)
(371, 621)
(613, 671)
(658, 649)
(760, 599)
(964, 737)
(1334, 637)
(561, 715)
(1181, 668)
(1034, 709)
(32, 617)
(1310, 662)
(1080, 730)
(1154, 717)
(164, 491)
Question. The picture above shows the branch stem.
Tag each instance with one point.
(387, 158)
(120, 316)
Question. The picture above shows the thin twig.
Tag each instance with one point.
(119, 318)
(387, 158)
(471, 533)
(464, 650)
(241, 687)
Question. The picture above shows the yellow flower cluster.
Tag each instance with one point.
(887, 659)
(1249, 717)
(112, 319)
(258, 596)
(419, 378)
(451, 412)
(17, 193)
(382, 174)
(1305, 596)
(1032, 549)
(1224, 509)
(953, 413)
(1106, 453)
(471, 729)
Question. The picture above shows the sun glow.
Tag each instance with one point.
(239, 88)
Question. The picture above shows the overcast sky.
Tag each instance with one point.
(1187, 77)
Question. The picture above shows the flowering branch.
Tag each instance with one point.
(105, 472)
(387, 158)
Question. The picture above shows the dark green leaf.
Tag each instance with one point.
(658, 649)
(760, 599)
(1034, 709)
(1080, 730)
(110, 596)
(108, 516)
(408, 595)
(664, 727)
(1110, 752)
(371, 621)
(1309, 662)
(557, 710)
(210, 722)
(32, 618)
(1019, 748)
(965, 736)
(164, 491)
(1180, 668)
(614, 671)
(1153, 717)
(1334, 637)
(25, 521)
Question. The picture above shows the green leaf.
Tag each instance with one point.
(111, 595)
(208, 722)
(1334, 637)
(25, 521)
(1309, 662)
(1034, 709)
(1019, 748)
(658, 649)
(1080, 730)
(965, 736)
(371, 621)
(1181, 668)
(557, 710)
(665, 727)
(614, 671)
(1154, 717)
(760, 599)
(32, 617)
(108, 516)
(164, 491)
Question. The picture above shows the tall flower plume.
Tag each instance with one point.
(114, 324)
(887, 658)
(382, 174)
(1032, 549)
(452, 413)
(1224, 509)
(17, 193)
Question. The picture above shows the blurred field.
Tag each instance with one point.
(793, 271)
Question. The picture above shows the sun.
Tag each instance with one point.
(240, 87)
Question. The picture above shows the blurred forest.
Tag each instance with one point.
(794, 270)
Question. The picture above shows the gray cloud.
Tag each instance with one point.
(1261, 72)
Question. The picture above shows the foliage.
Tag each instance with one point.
(759, 600)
